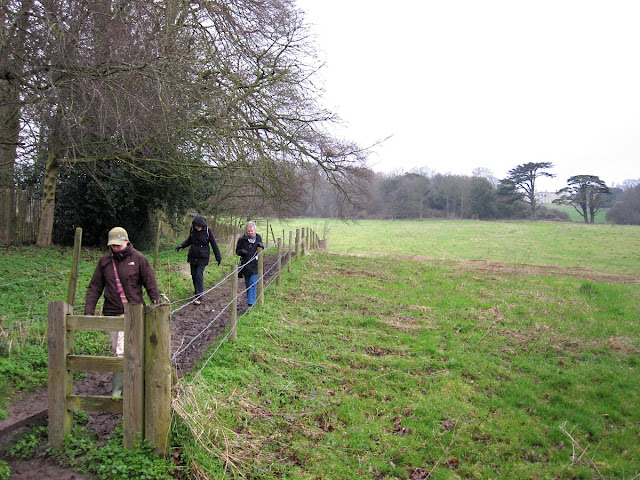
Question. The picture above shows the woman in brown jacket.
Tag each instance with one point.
(120, 274)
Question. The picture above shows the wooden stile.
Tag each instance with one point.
(146, 401)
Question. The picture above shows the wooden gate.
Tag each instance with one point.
(146, 401)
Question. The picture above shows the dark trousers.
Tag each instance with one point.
(197, 275)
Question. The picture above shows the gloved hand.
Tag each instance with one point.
(242, 252)
(260, 244)
(178, 248)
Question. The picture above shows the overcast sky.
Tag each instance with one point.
(461, 84)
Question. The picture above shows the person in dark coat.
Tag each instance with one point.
(247, 249)
(120, 275)
(200, 237)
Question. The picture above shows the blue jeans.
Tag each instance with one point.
(251, 283)
(197, 275)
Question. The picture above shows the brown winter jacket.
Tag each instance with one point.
(134, 271)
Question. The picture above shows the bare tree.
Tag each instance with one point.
(486, 173)
(170, 88)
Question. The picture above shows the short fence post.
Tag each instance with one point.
(289, 254)
(297, 243)
(73, 278)
(156, 247)
(133, 377)
(279, 274)
(260, 292)
(157, 381)
(303, 241)
(60, 380)
(233, 314)
(232, 249)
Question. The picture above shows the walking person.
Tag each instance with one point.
(247, 249)
(120, 275)
(200, 237)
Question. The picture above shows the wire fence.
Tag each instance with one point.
(304, 242)
(267, 278)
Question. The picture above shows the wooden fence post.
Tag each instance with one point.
(289, 254)
(157, 247)
(73, 277)
(233, 314)
(279, 262)
(157, 378)
(232, 249)
(297, 243)
(60, 342)
(260, 292)
(133, 377)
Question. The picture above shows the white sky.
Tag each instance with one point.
(461, 84)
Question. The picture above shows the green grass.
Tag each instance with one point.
(30, 277)
(575, 216)
(401, 354)
(601, 248)
(391, 368)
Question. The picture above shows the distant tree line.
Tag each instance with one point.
(422, 194)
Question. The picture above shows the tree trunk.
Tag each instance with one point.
(48, 201)
(9, 130)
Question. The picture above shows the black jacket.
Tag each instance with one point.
(247, 251)
(199, 243)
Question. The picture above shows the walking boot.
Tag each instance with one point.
(117, 384)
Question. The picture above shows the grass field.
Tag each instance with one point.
(601, 248)
(426, 350)
(575, 216)
(378, 362)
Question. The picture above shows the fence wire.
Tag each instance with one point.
(188, 300)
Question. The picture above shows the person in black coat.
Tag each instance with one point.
(200, 237)
(247, 248)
